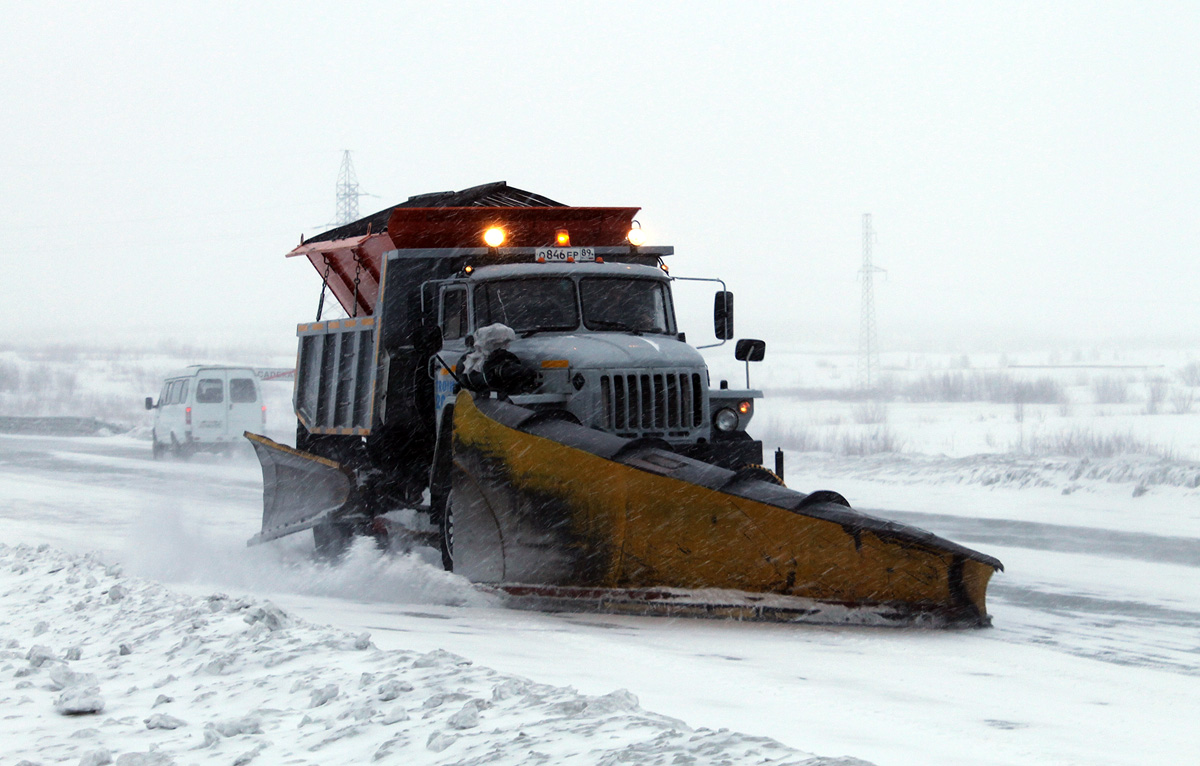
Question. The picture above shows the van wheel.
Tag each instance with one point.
(180, 451)
(157, 448)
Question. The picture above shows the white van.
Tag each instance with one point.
(206, 408)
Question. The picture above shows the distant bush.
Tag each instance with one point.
(1182, 400)
(1110, 390)
(999, 388)
(1084, 442)
(10, 377)
(1156, 394)
(59, 352)
(842, 441)
(1190, 375)
(870, 413)
(823, 394)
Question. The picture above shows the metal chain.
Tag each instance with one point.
(357, 269)
(324, 284)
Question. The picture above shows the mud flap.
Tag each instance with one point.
(300, 490)
(542, 502)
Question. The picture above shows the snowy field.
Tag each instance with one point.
(137, 626)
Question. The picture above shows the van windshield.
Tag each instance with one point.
(537, 303)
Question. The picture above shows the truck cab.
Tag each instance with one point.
(603, 341)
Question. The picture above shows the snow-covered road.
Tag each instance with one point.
(1094, 657)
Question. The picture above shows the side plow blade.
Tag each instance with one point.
(555, 515)
(300, 490)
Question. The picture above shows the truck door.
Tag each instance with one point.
(209, 407)
(453, 313)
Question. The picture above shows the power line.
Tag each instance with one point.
(868, 337)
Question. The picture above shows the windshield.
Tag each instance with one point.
(636, 305)
(527, 304)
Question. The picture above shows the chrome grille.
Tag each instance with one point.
(665, 403)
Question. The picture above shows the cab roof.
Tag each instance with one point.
(608, 269)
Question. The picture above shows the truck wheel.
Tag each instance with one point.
(447, 536)
(332, 540)
(441, 481)
(823, 496)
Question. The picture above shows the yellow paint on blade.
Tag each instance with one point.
(648, 530)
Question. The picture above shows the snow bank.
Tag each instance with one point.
(100, 667)
(1017, 471)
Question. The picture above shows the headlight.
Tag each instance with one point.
(725, 419)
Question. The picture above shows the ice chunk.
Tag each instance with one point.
(39, 655)
(319, 697)
(164, 721)
(99, 757)
(467, 717)
(79, 700)
(439, 741)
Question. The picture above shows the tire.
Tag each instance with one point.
(761, 473)
(823, 496)
(447, 533)
(331, 540)
(441, 481)
(157, 449)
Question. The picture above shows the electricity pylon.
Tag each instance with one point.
(347, 192)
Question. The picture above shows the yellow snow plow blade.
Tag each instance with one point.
(550, 511)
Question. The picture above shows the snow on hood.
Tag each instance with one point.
(608, 350)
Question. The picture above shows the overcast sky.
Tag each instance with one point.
(1033, 169)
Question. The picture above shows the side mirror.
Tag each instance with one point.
(723, 315)
(750, 350)
(149, 402)
(427, 340)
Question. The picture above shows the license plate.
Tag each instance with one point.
(564, 254)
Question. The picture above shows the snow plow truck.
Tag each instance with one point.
(510, 371)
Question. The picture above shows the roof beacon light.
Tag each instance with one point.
(494, 237)
(562, 238)
(636, 236)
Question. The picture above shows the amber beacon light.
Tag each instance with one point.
(494, 237)
(636, 236)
